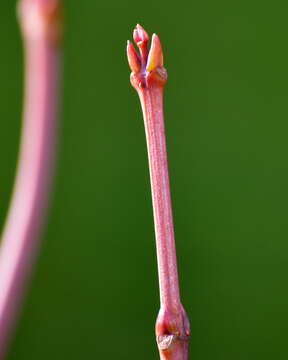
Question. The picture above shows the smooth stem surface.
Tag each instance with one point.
(29, 200)
(151, 102)
(172, 325)
(148, 77)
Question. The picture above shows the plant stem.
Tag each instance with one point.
(148, 78)
(39, 23)
(151, 101)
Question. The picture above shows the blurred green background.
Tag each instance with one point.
(94, 292)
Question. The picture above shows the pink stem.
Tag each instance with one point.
(151, 101)
(172, 325)
(149, 77)
(29, 201)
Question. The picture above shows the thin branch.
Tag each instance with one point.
(148, 77)
(39, 22)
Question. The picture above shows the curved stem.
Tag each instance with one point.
(29, 200)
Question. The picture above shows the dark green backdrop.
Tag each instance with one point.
(94, 293)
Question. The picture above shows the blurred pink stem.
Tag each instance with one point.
(29, 200)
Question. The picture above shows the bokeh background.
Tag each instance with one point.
(94, 293)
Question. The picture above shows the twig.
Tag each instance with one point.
(148, 77)
(40, 27)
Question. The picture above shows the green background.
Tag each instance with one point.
(94, 292)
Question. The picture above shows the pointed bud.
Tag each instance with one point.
(133, 58)
(155, 57)
(140, 35)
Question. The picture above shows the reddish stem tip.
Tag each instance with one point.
(133, 58)
(140, 35)
(147, 66)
